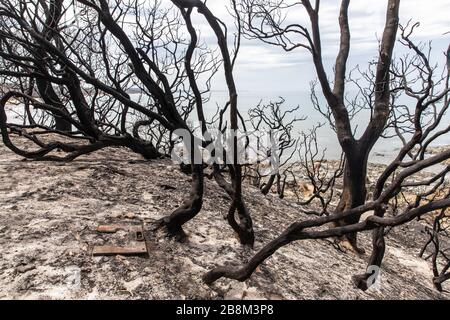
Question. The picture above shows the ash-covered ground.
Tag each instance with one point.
(50, 212)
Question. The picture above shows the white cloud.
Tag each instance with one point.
(367, 18)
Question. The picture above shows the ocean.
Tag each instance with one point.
(383, 152)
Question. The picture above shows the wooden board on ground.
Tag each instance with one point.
(113, 228)
(138, 249)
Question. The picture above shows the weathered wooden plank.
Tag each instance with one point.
(138, 249)
(113, 228)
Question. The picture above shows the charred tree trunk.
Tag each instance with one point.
(62, 125)
(357, 151)
(144, 148)
(354, 193)
(275, 178)
(189, 209)
(281, 186)
(267, 186)
(376, 258)
(53, 11)
(244, 227)
(49, 96)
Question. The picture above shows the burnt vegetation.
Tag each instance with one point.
(92, 74)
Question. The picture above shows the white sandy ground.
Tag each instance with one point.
(49, 213)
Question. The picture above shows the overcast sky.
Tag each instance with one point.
(263, 67)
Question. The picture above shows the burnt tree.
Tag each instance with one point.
(122, 74)
(265, 20)
(418, 126)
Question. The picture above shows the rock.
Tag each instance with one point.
(116, 215)
(147, 197)
(132, 285)
(123, 260)
(130, 215)
(274, 296)
(25, 268)
(24, 260)
(236, 292)
(27, 284)
(147, 270)
(252, 294)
